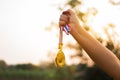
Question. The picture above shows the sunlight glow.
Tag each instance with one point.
(23, 38)
(22, 35)
(107, 13)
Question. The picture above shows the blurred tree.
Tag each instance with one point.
(3, 65)
(90, 73)
(28, 66)
(115, 2)
(113, 39)
(74, 3)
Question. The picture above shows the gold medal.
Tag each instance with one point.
(60, 58)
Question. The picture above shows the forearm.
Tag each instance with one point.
(103, 57)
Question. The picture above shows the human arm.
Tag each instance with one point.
(102, 56)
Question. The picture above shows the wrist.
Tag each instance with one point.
(75, 28)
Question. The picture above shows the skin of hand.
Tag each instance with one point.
(103, 57)
(68, 17)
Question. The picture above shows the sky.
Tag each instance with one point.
(22, 35)
(22, 23)
(107, 13)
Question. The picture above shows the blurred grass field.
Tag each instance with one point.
(35, 74)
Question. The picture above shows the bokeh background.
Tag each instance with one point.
(29, 35)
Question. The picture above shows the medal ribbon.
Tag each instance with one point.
(60, 57)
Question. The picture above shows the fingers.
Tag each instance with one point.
(64, 19)
(68, 12)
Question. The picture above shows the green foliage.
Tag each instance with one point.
(25, 66)
(50, 72)
(3, 65)
(25, 72)
(90, 73)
